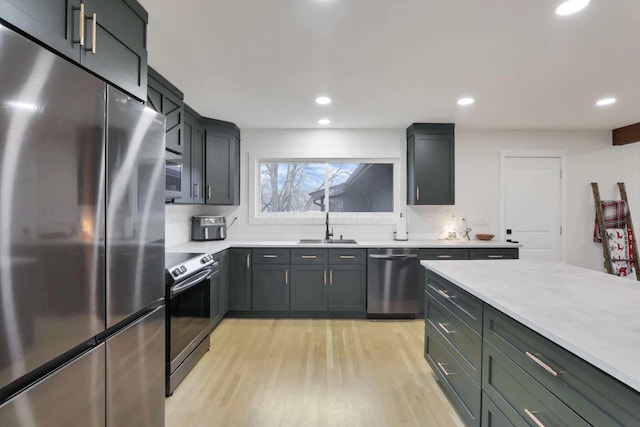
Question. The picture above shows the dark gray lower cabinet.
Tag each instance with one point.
(347, 288)
(216, 283)
(491, 415)
(309, 287)
(493, 253)
(239, 274)
(270, 287)
(224, 284)
(527, 380)
(340, 285)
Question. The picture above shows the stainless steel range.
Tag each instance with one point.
(188, 280)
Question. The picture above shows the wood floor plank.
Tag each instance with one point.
(312, 372)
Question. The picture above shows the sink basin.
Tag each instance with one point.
(310, 241)
(351, 241)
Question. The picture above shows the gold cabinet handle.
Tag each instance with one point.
(308, 257)
(444, 328)
(286, 277)
(331, 277)
(209, 191)
(80, 8)
(325, 277)
(444, 256)
(248, 261)
(347, 257)
(495, 256)
(541, 364)
(269, 256)
(535, 419)
(444, 371)
(443, 293)
(417, 193)
(195, 190)
(94, 28)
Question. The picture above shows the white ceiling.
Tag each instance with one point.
(388, 63)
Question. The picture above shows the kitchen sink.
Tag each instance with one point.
(313, 241)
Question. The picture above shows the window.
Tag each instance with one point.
(318, 186)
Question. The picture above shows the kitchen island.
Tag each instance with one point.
(534, 342)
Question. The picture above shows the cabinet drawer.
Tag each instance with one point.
(462, 304)
(497, 253)
(463, 343)
(462, 391)
(270, 256)
(444, 253)
(491, 415)
(520, 397)
(309, 256)
(598, 398)
(347, 256)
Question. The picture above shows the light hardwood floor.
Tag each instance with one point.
(267, 372)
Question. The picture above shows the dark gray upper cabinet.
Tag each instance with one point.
(222, 160)
(192, 159)
(430, 164)
(167, 99)
(108, 38)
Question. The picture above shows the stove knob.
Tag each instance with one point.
(176, 272)
(183, 269)
(203, 260)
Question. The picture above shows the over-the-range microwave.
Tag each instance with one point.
(173, 176)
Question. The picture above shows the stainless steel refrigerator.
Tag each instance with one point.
(81, 247)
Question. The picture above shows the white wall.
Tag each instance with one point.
(589, 156)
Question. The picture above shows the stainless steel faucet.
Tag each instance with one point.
(327, 235)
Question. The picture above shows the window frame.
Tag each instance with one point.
(258, 217)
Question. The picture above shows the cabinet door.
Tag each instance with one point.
(224, 284)
(430, 164)
(197, 163)
(270, 287)
(309, 287)
(117, 50)
(222, 159)
(347, 287)
(53, 22)
(187, 188)
(215, 299)
(495, 253)
(240, 279)
(167, 99)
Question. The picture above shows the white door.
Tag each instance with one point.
(532, 205)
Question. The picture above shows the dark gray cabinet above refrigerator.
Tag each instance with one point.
(167, 99)
(107, 38)
(431, 164)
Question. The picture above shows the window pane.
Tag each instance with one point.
(292, 187)
(360, 187)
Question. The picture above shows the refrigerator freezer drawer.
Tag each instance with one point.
(136, 373)
(74, 395)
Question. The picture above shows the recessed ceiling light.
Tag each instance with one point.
(323, 100)
(570, 7)
(466, 101)
(324, 121)
(606, 101)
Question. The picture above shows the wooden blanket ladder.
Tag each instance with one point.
(603, 233)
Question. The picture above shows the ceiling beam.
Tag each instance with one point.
(626, 134)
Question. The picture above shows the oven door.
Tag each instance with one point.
(189, 316)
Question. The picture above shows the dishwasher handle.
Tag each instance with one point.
(392, 257)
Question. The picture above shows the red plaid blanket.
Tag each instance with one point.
(615, 216)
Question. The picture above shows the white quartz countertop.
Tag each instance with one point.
(217, 246)
(594, 315)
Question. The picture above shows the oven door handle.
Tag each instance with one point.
(191, 282)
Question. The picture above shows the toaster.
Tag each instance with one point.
(208, 228)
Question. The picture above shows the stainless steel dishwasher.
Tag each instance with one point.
(392, 283)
